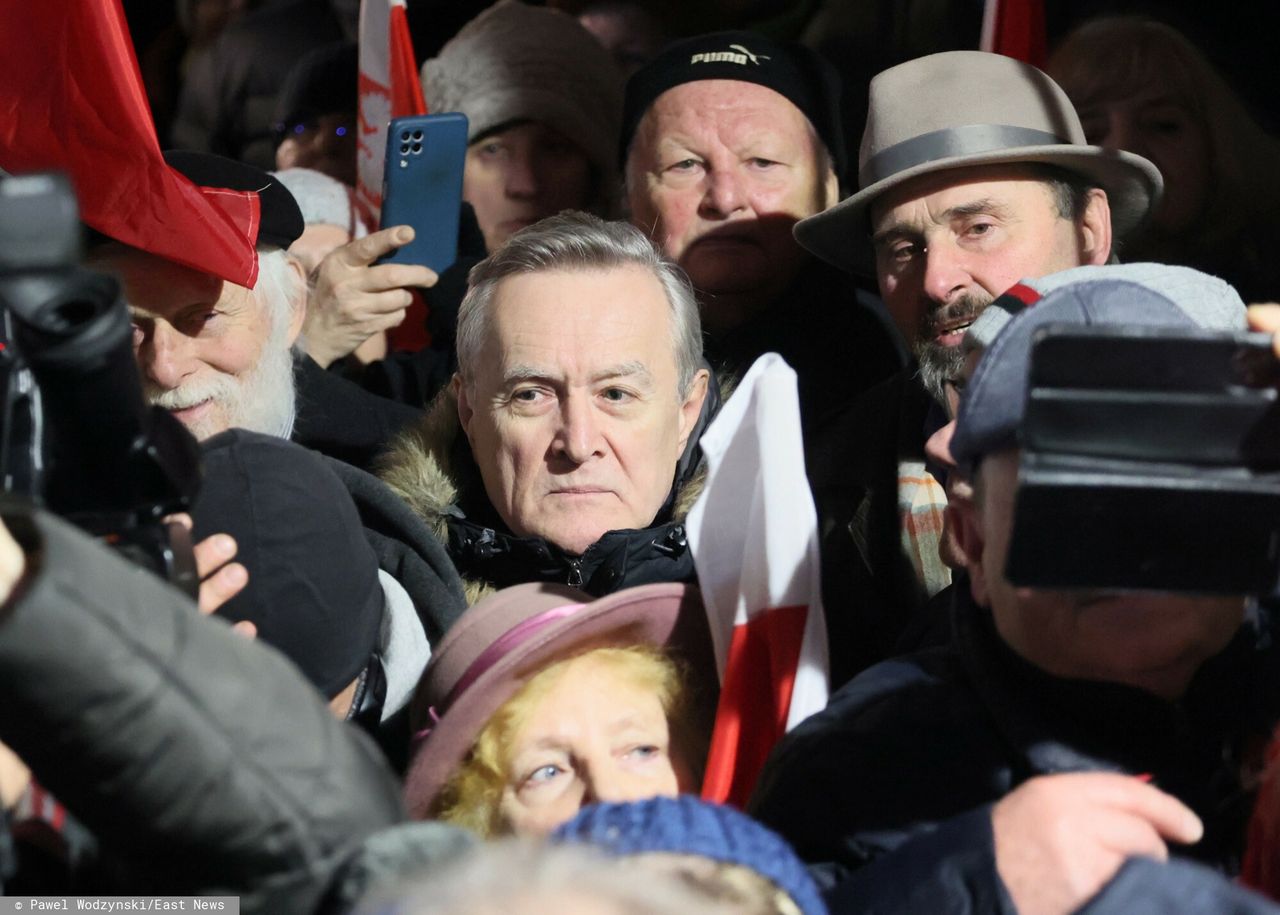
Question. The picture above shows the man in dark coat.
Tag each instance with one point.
(950, 212)
(1061, 731)
(565, 448)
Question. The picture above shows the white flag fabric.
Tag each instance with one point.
(388, 88)
(754, 536)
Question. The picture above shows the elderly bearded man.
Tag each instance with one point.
(974, 174)
(219, 357)
(729, 139)
(565, 448)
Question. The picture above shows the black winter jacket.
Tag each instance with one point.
(431, 468)
(202, 760)
(870, 589)
(889, 787)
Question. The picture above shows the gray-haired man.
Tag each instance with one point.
(564, 449)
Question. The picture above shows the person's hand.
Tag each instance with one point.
(220, 578)
(1060, 838)
(352, 299)
(1265, 317)
(13, 563)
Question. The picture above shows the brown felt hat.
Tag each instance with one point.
(965, 108)
(499, 644)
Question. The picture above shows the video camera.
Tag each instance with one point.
(1150, 461)
(75, 433)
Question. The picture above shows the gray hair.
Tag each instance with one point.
(278, 287)
(523, 877)
(575, 241)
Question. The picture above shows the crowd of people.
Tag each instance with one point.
(448, 651)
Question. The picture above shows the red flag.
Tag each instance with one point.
(754, 535)
(389, 88)
(71, 99)
(1261, 869)
(1016, 28)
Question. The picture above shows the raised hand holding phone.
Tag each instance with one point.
(353, 297)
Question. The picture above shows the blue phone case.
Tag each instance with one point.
(422, 186)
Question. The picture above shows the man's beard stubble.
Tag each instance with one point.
(939, 364)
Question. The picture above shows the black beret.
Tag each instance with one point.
(281, 218)
(791, 70)
(313, 589)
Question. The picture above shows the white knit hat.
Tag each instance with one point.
(322, 199)
(515, 62)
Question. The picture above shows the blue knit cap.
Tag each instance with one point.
(687, 825)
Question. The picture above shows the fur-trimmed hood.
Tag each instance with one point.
(430, 466)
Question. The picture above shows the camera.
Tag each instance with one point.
(1150, 461)
(76, 436)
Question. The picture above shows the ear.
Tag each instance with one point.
(1094, 229)
(298, 299)
(830, 191)
(465, 410)
(963, 519)
(691, 407)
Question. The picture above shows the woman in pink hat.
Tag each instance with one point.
(541, 700)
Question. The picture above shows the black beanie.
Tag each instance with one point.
(793, 71)
(281, 218)
(313, 588)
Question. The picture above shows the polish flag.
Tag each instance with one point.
(389, 88)
(72, 100)
(1015, 28)
(754, 536)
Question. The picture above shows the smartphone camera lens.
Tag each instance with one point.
(417, 148)
(404, 135)
(404, 148)
(417, 135)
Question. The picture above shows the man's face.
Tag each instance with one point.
(573, 413)
(1155, 641)
(517, 176)
(718, 173)
(204, 346)
(947, 244)
(326, 144)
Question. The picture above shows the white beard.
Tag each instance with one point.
(263, 399)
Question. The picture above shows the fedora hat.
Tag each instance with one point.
(965, 108)
(499, 644)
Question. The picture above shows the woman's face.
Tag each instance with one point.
(1156, 125)
(522, 174)
(595, 736)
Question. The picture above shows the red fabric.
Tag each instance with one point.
(755, 699)
(71, 99)
(1261, 869)
(406, 98)
(406, 88)
(1020, 31)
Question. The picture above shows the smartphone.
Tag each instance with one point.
(422, 186)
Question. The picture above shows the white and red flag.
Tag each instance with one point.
(389, 88)
(1015, 28)
(754, 536)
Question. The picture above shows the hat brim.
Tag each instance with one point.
(661, 615)
(841, 235)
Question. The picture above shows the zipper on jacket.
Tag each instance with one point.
(575, 573)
